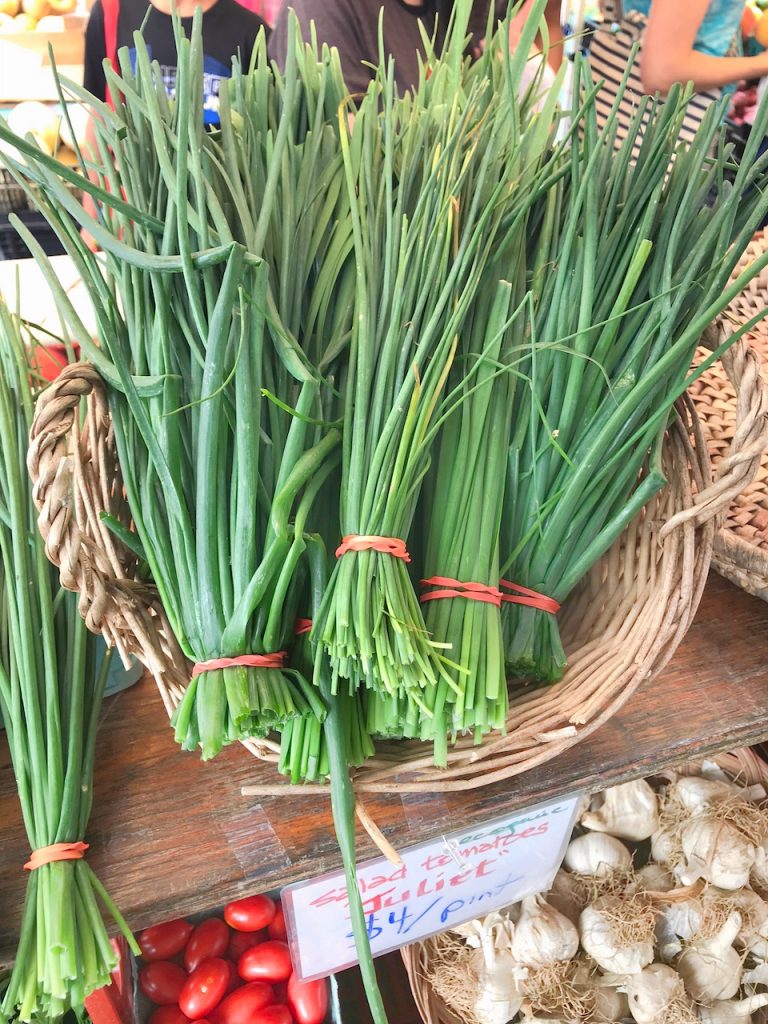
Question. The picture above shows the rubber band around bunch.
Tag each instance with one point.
(276, 660)
(529, 598)
(450, 588)
(55, 852)
(362, 542)
(303, 626)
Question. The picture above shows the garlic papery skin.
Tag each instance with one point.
(676, 923)
(653, 878)
(598, 939)
(716, 852)
(732, 1011)
(759, 873)
(711, 968)
(597, 854)
(543, 935)
(565, 896)
(651, 991)
(628, 811)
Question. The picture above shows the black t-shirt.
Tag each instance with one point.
(352, 26)
(229, 30)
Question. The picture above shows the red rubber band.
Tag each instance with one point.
(55, 852)
(530, 598)
(386, 545)
(276, 660)
(303, 626)
(455, 588)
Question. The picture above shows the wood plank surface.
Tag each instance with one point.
(171, 836)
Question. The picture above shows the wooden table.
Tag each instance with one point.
(171, 836)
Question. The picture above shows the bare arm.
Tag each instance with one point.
(552, 17)
(668, 54)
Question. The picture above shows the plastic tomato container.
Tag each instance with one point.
(123, 1002)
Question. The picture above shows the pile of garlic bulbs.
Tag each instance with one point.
(659, 915)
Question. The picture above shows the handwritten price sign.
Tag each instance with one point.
(439, 885)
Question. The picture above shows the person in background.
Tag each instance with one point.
(229, 30)
(692, 41)
(266, 9)
(352, 26)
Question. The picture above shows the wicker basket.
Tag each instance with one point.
(623, 625)
(741, 547)
(742, 765)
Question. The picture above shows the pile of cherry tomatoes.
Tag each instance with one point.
(235, 971)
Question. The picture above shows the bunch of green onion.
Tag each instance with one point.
(50, 698)
(630, 263)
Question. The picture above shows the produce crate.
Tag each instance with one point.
(12, 247)
(123, 1002)
(12, 196)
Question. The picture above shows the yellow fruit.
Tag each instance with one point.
(62, 6)
(9, 7)
(37, 9)
(25, 22)
(35, 117)
(51, 23)
(761, 29)
(7, 24)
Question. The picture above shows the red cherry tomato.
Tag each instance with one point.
(276, 927)
(240, 1006)
(270, 961)
(168, 1015)
(204, 988)
(240, 941)
(308, 1000)
(209, 940)
(163, 941)
(273, 1015)
(162, 982)
(250, 914)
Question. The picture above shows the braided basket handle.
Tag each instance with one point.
(737, 470)
(76, 481)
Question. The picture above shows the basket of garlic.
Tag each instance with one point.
(659, 915)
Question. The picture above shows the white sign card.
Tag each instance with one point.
(440, 884)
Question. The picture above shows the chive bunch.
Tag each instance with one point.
(50, 697)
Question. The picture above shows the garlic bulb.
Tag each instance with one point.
(711, 968)
(733, 1011)
(716, 852)
(543, 935)
(628, 811)
(610, 1005)
(599, 939)
(597, 854)
(499, 999)
(565, 897)
(697, 794)
(754, 925)
(664, 849)
(651, 991)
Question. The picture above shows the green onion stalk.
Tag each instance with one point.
(50, 698)
(221, 419)
(631, 265)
